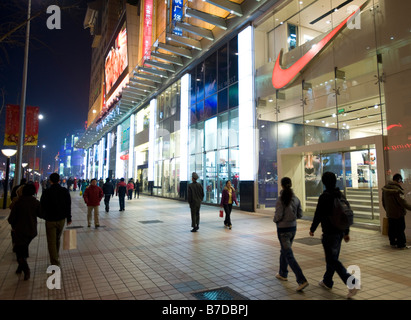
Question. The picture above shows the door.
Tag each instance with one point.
(356, 178)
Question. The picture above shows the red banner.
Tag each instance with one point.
(11, 136)
(147, 28)
(31, 133)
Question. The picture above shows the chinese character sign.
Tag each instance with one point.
(11, 136)
(147, 28)
(177, 15)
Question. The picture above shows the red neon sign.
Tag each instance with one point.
(147, 29)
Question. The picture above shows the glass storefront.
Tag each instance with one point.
(339, 96)
(213, 147)
(167, 143)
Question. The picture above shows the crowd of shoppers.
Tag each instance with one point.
(55, 208)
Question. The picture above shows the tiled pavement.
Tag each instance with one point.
(147, 252)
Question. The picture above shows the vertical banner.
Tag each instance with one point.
(31, 133)
(177, 15)
(147, 28)
(11, 135)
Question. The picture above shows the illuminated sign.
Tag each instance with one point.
(147, 28)
(177, 15)
(116, 61)
(283, 76)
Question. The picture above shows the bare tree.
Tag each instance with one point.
(13, 19)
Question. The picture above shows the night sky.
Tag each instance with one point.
(58, 70)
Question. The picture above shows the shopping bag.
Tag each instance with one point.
(69, 239)
(221, 214)
(81, 193)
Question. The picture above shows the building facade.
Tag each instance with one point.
(251, 91)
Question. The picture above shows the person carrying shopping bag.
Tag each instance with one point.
(227, 199)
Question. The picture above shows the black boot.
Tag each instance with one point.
(25, 268)
(19, 269)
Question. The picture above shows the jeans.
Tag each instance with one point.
(332, 246)
(54, 229)
(227, 209)
(396, 233)
(287, 256)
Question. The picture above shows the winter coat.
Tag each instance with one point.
(393, 200)
(286, 217)
(93, 195)
(324, 210)
(195, 194)
(56, 203)
(108, 188)
(225, 197)
(121, 189)
(130, 186)
(23, 219)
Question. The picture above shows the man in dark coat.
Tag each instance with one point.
(121, 191)
(23, 221)
(195, 196)
(108, 190)
(393, 201)
(55, 209)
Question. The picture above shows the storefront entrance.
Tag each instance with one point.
(358, 165)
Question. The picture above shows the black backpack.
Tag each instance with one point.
(342, 216)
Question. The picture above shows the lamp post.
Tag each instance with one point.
(23, 100)
(41, 158)
(24, 165)
(8, 153)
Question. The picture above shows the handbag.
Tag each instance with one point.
(69, 239)
(221, 213)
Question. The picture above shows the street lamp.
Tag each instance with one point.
(41, 158)
(8, 153)
(24, 165)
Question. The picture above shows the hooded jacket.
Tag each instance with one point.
(393, 200)
(286, 217)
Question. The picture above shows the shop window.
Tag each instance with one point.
(233, 96)
(223, 100)
(210, 106)
(200, 82)
(233, 61)
(211, 75)
(222, 67)
(200, 111)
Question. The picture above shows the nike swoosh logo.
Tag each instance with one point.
(281, 77)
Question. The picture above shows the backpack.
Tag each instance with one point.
(342, 216)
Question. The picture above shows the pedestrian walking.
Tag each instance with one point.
(227, 199)
(121, 191)
(395, 205)
(287, 211)
(55, 209)
(137, 189)
(92, 197)
(130, 189)
(195, 196)
(332, 236)
(23, 221)
(108, 190)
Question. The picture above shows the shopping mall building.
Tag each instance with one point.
(252, 91)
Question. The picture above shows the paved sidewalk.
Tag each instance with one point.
(147, 252)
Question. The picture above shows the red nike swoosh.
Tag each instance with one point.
(282, 77)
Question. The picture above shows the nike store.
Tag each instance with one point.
(332, 92)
